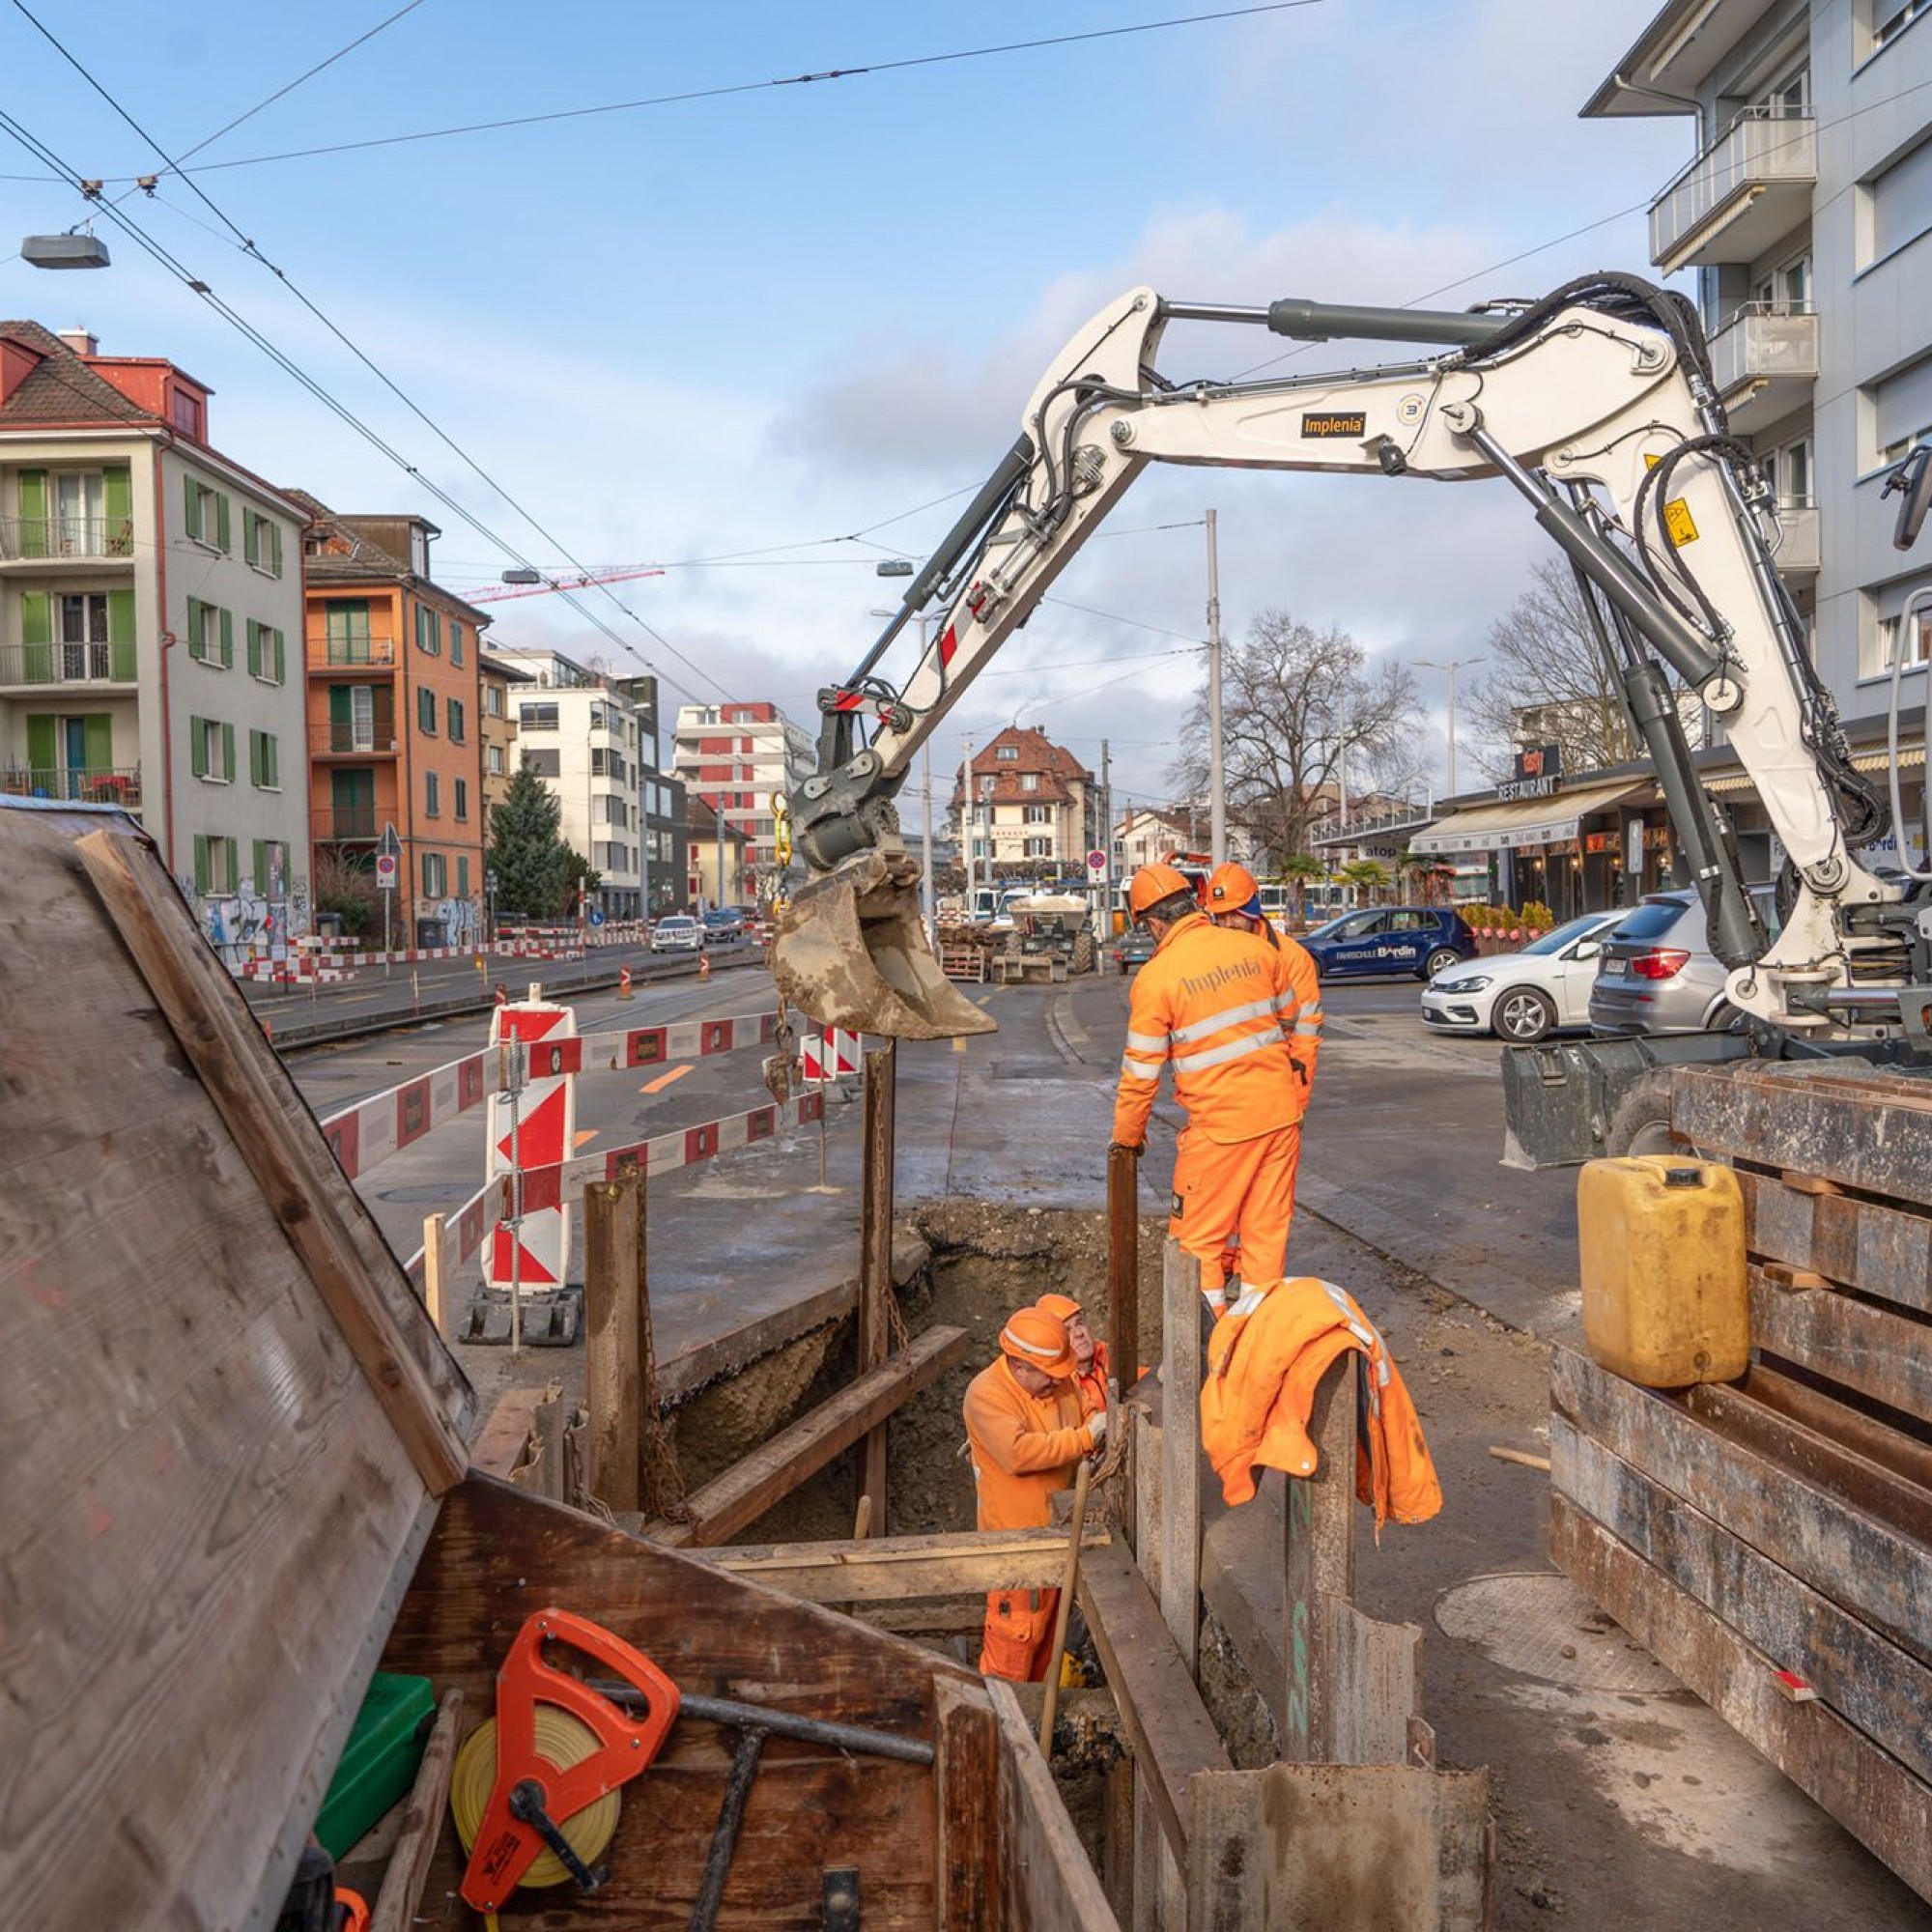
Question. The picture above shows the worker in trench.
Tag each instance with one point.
(1090, 1357)
(1221, 1007)
(1027, 1434)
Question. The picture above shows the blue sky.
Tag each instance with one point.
(752, 322)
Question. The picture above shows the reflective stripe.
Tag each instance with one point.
(1287, 1008)
(1312, 1027)
(1255, 1009)
(1141, 1069)
(1148, 1042)
(1216, 1056)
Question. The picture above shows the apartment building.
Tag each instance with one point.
(499, 681)
(715, 849)
(149, 587)
(581, 734)
(735, 756)
(1805, 212)
(395, 718)
(1036, 806)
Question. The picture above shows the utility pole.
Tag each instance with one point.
(1103, 926)
(1217, 786)
(966, 820)
(1449, 667)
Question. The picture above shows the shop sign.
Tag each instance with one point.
(1538, 771)
(1595, 842)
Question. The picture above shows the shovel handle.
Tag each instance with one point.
(1071, 1576)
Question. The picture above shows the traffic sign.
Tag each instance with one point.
(1096, 861)
(830, 1055)
(596, 914)
(390, 843)
(385, 871)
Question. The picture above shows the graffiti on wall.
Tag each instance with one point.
(461, 924)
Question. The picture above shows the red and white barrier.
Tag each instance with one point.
(831, 1055)
(533, 1253)
(375, 1129)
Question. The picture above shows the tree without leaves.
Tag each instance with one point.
(1544, 654)
(1296, 702)
(536, 871)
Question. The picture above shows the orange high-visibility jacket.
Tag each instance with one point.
(1220, 1007)
(1263, 1370)
(1306, 1046)
(1024, 1447)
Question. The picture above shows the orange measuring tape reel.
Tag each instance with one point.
(551, 1762)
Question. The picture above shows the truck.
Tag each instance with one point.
(1597, 404)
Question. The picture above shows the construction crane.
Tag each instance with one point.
(533, 584)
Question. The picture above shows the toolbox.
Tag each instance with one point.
(379, 1762)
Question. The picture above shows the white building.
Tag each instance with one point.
(735, 756)
(583, 738)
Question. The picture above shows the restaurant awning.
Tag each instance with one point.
(1507, 826)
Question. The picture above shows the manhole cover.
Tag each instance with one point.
(1542, 1625)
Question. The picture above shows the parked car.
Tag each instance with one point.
(722, 926)
(1422, 940)
(1657, 972)
(1521, 996)
(1133, 948)
(676, 932)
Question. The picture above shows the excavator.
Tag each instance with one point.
(1597, 404)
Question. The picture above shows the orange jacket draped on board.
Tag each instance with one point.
(1263, 1370)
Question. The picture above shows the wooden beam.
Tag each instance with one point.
(746, 1490)
(875, 1258)
(505, 1435)
(277, 1136)
(436, 1286)
(1048, 1880)
(969, 1848)
(1181, 1453)
(1318, 1569)
(1878, 1250)
(1872, 1349)
(1124, 1286)
(396, 1906)
(613, 1293)
(1172, 1733)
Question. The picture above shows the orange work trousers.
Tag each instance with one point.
(1239, 1195)
(1018, 1640)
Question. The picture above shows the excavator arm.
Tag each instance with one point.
(1596, 404)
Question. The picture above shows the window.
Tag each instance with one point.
(1030, 781)
(210, 634)
(261, 542)
(537, 717)
(544, 764)
(1040, 848)
(215, 865)
(1788, 472)
(1791, 98)
(456, 641)
(1891, 17)
(1900, 204)
(436, 875)
(1786, 290)
(1918, 647)
(454, 721)
(431, 795)
(1037, 814)
(461, 798)
(269, 871)
(206, 514)
(186, 411)
(265, 761)
(426, 711)
(211, 746)
(1902, 410)
(1008, 753)
(493, 699)
(492, 761)
(267, 657)
(428, 631)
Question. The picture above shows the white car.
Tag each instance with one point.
(678, 932)
(1521, 996)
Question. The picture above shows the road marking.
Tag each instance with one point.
(958, 1042)
(663, 1080)
(585, 1134)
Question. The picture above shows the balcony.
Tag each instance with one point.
(363, 740)
(116, 784)
(352, 654)
(346, 825)
(59, 540)
(1797, 553)
(1765, 362)
(1739, 196)
(31, 667)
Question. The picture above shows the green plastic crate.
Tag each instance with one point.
(379, 1762)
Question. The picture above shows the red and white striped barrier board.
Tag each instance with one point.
(373, 1129)
(462, 1234)
(536, 1254)
(657, 1047)
(830, 1055)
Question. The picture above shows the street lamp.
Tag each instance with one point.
(72, 250)
(1450, 667)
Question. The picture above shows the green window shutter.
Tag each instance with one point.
(261, 866)
(201, 862)
(255, 759)
(228, 751)
(37, 631)
(197, 747)
(191, 506)
(118, 487)
(228, 640)
(272, 760)
(121, 665)
(97, 741)
(339, 702)
(275, 549)
(33, 501)
(43, 742)
(229, 853)
(250, 540)
(197, 629)
(463, 875)
(281, 659)
(254, 648)
(221, 525)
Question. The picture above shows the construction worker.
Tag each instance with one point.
(1221, 1007)
(1090, 1357)
(1027, 1434)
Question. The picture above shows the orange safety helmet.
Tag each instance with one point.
(1062, 1307)
(1153, 884)
(1231, 888)
(1039, 1340)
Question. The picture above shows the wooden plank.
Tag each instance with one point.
(746, 1490)
(1311, 1848)
(875, 1258)
(1180, 1454)
(1882, 1354)
(1124, 1287)
(1871, 1568)
(1319, 1568)
(423, 1815)
(1049, 1885)
(1852, 1429)
(1878, 1250)
(1873, 1684)
(970, 1851)
(1374, 1686)
(504, 1438)
(1156, 1879)
(1869, 1792)
(290, 1160)
(1172, 1734)
(613, 1293)
(435, 1274)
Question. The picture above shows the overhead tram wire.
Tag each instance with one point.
(249, 247)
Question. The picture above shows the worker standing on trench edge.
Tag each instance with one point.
(1220, 1007)
(1026, 1433)
(1090, 1357)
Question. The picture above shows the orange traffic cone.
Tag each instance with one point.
(623, 982)
(704, 965)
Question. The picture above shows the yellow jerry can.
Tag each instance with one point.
(1662, 1244)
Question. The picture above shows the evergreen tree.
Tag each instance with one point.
(536, 871)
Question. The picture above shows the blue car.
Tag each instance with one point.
(1418, 940)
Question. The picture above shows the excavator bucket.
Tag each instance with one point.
(851, 951)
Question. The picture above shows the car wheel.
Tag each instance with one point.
(1522, 1014)
(1440, 961)
(1641, 1123)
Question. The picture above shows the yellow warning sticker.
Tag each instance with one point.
(1677, 521)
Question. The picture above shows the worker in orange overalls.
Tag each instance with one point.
(1090, 1357)
(1027, 1434)
(1221, 1008)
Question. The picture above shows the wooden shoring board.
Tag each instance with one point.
(616, 1324)
(1180, 1572)
(1881, 1354)
(1172, 1734)
(902, 1569)
(970, 1853)
(1315, 1847)
(875, 1258)
(1875, 1686)
(1050, 1885)
(1868, 1791)
(1851, 1428)
(746, 1490)
(1871, 1568)
(1374, 1679)
(1881, 1251)
(1318, 1569)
